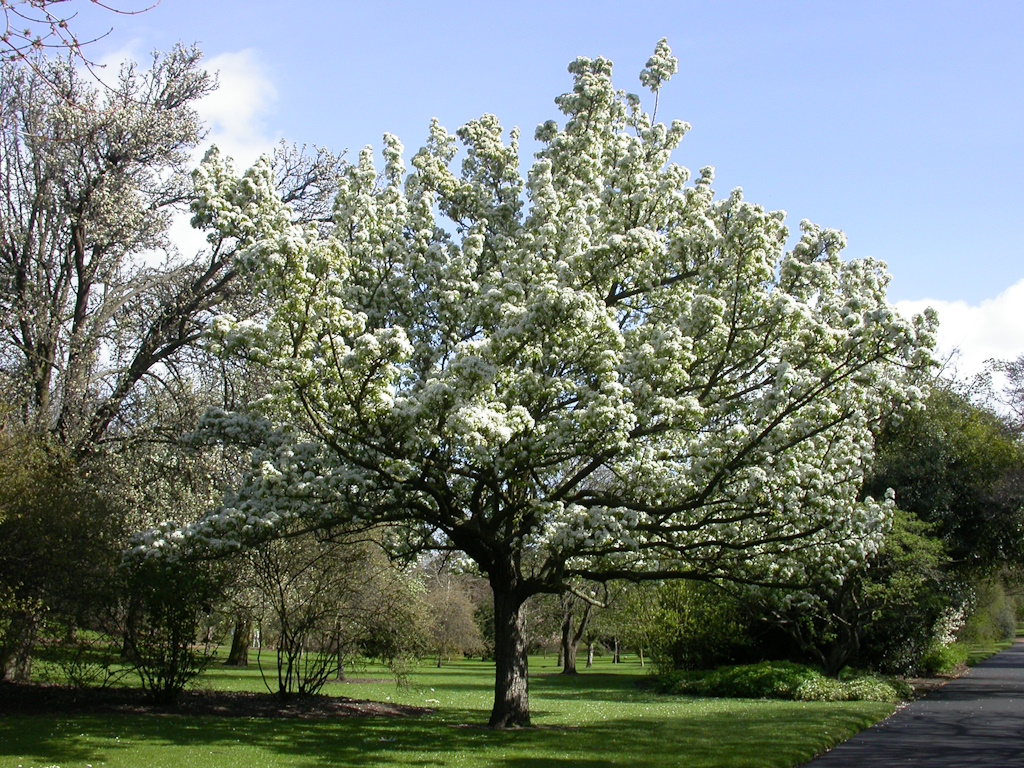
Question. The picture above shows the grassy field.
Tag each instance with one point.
(599, 718)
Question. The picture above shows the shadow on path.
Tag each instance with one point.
(975, 720)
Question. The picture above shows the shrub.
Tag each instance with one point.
(779, 680)
(168, 600)
(78, 658)
(943, 659)
(993, 614)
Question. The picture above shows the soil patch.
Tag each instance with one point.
(19, 699)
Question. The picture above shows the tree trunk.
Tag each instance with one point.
(238, 656)
(511, 694)
(590, 654)
(616, 659)
(641, 655)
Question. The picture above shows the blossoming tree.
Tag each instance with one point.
(601, 371)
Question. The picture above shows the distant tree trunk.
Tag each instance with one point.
(590, 654)
(568, 651)
(571, 640)
(238, 656)
(131, 627)
(616, 659)
(641, 656)
(511, 689)
(16, 657)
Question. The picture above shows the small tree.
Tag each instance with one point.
(635, 617)
(698, 626)
(577, 611)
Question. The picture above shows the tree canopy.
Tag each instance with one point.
(598, 371)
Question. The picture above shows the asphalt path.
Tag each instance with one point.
(977, 719)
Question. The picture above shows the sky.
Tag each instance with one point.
(898, 122)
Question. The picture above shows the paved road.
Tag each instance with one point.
(976, 720)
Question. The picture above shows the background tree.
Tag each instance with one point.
(101, 317)
(636, 618)
(452, 626)
(90, 179)
(329, 600)
(958, 466)
(597, 373)
(577, 612)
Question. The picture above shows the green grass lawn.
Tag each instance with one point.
(598, 718)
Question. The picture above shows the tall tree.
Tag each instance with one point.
(93, 296)
(599, 372)
(100, 315)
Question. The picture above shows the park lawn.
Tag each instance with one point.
(598, 718)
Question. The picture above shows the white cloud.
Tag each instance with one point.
(109, 65)
(235, 115)
(236, 112)
(992, 329)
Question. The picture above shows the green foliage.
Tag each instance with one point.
(18, 619)
(905, 592)
(58, 544)
(943, 659)
(779, 680)
(697, 625)
(993, 613)
(957, 465)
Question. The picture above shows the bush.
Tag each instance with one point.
(19, 619)
(779, 680)
(78, 658)
(943, 659)
(167, 603)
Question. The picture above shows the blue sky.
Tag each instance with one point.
(898, 122)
